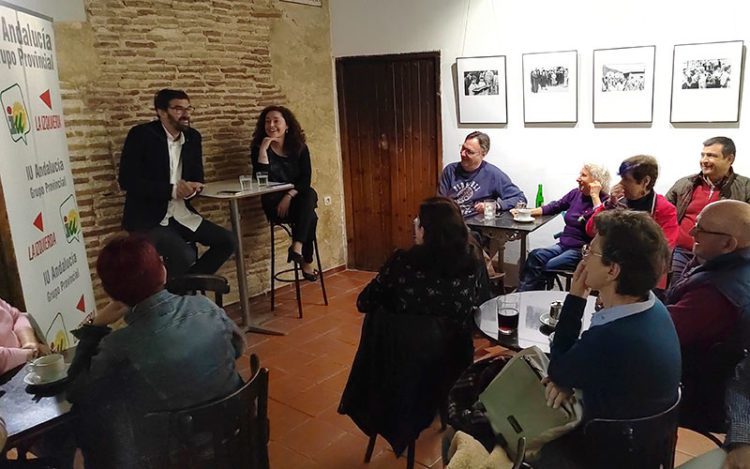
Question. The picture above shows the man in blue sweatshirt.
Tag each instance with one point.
(473, 180)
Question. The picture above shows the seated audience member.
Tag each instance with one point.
(737, 441)
(707, 305)
(716, 180)
(627, 364)
(417, 328)
(635, 191)
(473, 181)
(578, 205)
(18, 343)
(174, 352)
(442, 274)
(161, 170)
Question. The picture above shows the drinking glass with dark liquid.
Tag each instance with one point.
(507, 313)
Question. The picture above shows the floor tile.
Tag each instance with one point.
(312, 437)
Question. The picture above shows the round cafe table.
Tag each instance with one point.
(532, 304)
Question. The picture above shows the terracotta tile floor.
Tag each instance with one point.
(308, 371)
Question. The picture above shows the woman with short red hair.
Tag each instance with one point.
(174, 352)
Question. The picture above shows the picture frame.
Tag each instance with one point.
(315, 3)
(707, 82)
(550, 87)
(482, 90)
(623, 85)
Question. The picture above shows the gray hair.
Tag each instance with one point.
(482, 138)
(598, 173)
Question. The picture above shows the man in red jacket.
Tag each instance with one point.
(717, 180)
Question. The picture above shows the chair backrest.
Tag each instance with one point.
(192, 284)
(645, 443)
(401, 375)
(231, 432)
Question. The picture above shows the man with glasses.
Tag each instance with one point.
(710, 307)
(717, 180)
(473, 181)
(161, 169)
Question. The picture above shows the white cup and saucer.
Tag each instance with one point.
(46, 370)
(523, 215)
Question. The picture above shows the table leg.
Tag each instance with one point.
(242, 274)
(522, 256)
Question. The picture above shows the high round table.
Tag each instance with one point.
(531, 331)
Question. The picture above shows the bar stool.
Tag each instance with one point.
(279, 276)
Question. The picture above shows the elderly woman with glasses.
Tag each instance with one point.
(627, 364)
(578, 205)
(635, 191)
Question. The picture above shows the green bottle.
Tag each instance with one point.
(539, 196)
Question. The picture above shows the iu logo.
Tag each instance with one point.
(16, 114)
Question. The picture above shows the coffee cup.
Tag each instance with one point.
(523, 213)
(48, 368)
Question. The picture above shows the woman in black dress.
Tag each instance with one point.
(278, 148)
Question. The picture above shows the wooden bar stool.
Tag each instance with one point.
(280, 276)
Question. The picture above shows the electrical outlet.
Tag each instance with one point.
(327, 200)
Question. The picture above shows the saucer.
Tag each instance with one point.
(32, 379)
(547, 321)
(523, 220)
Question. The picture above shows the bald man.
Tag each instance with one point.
(708, 305)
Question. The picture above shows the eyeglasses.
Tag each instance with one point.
(699, 229)
(468, 152)
(181, 109)
(586, 251)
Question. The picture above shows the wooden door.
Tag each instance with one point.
(389, 112)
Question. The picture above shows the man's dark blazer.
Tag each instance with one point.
(144, 173)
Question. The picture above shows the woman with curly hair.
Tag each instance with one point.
(279, 148)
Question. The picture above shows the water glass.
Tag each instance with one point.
(489, 210)
(246, 183)
(262, 177)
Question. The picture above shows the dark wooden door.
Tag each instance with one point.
(389, 112)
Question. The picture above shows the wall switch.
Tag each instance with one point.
(327, 200)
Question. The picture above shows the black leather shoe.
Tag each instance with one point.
(293, 256)
(311, 276)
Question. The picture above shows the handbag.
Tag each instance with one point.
(516, 407)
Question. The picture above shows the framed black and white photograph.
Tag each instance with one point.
(550, 87)
(624, 85)
(706, 82)
(315, 3)
(482, 96)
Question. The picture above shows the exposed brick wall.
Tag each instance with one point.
(217, 51)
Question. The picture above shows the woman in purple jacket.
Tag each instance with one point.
(578, 204)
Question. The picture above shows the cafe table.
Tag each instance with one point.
(531, 331)
(230, 191)
(27, 416)
(505, 228)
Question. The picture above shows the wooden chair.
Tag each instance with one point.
(231, 432)
(192, 284)
(644, 443)
(554, 277)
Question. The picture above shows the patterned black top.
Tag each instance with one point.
(404, 287)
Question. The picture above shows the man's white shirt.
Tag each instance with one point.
(176, 208)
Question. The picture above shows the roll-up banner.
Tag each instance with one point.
(36, 179)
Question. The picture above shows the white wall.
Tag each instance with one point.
(553, 155)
